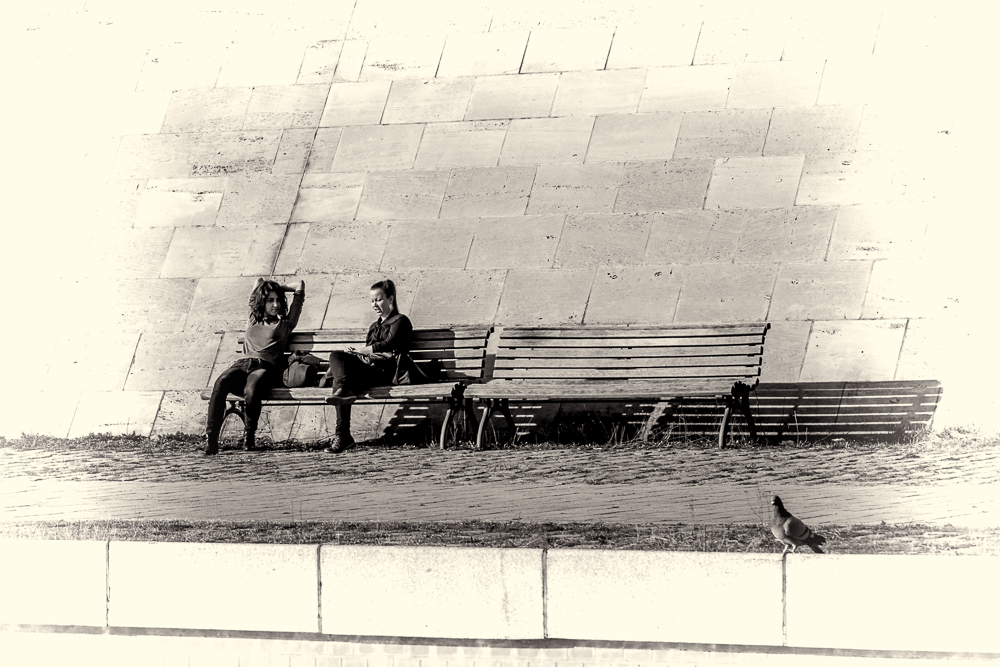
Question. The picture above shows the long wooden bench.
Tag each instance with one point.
(460, 351)
(600, 364)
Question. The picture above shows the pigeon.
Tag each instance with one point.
(790, 531)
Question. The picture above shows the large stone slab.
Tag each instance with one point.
(291, 248)
(821, 291)
(208, 251)
(246, 63)
(318, 288)
(91, 360)
(507, 243)
(775, 84)
(324, 150)
(180, 412)
(37, 588)
(220, 304)
(810, 130)
(29, 410)
(180, 65)
(829, 33)
(352, 59)
(115, 412)
(575, 188)
(461, 592)
(853, 351)
(686, 88)
(710, 598)
(784, 350)
(403, 194)
(929, 350)
(879, 231)
(159, 304)
(603, 239)
(519, 96)
(356, 103)
(901, 289)
(483, 54)
(796, 234)
(378, 147)
(263, 587)
(343, 246)
(600, 92)
(467, 144)
(720, 293)
(725, 133)
(258, 199)
(350, 303)
(457, 297)
(488, 191)
(613, 296)
(693, 235)
(647, 136)
(278, 107)
(441, 244)
(293, 151)
(172, 361)
(428, 100)
(230, 152)
(912, 603)
(155, 156)
(319, 63)
(541, 297)
(328, 197)
(755, 182)
(180, 202)
(669, 43)
(846, 178)
(390, 58)
(739, 36)
(562, 50)
(547, 140)
(663, 185)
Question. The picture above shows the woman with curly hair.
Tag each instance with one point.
(271, 320)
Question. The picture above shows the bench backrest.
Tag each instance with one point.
(602, 353)
(461, 350)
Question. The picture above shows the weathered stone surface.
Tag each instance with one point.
(247, 64)
(906, 289)
(851, 81)
(207, 251)
(812, 130)
(172, 361)
(726, 133)
(441, 244)
(784, 350)
(155, 156)
(196, 110)
(328, 197)
(181, 65)
(741, 37)
(427, 100)
(855, 351)
(633, 295)
(539, 297)
(391, 58)
(230, 350)
(350, 305)
(661, 185)
(313, 423)
(600, 92)
(457, 297)
(324, 150)
(117, 202)
(575, 188)
(845, 178)
(603, 239)
(21, 410)
(293, 151)
(519, 96)
(231, 152)
(131, 253)
(929, 350)
(823, 291)
(278, 107)
(115, 412)
(525, 242)
(319, 63)
(258, 199)
(686, 88)
(566, 50)
(775, 84)
(482, 54)
(352, 59)
(796, 234)
(220, 304)
(725, 293)
(318, 288)
(343, 246)
(466, 144)
(547, 140)
(291, 249)
(159, 304)
(830, 33)
(693, 235)
(755, 182)
(875, 231)
(180, 412)
(395, 195)
(378, 147)
(93, 361)
(647, 136)
(670, 43)
(180, 202)
(263, 250)
(488, 191)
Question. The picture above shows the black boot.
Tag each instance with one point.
(211, 446)
(249, 440)
(340, 443)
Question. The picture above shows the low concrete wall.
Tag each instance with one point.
(829, 602)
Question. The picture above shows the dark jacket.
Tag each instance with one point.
(388, 338)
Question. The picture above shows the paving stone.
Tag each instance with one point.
(115, 413)
(575, 188)
(355, 103)
(796, 234)
(566, 50)
(328, 197)
(403, 195)
(207, 251)
(181, 65)
(755, 182)
(92, 361)
(603, 240)
(845, 178)
(878, 231)
(220, 304)
(654, 45)
(601, 92)
(547, 140)
(812, 130)
(319, 64)
(719, 293)
(541, 297)
(231, 152)
(449, 297)
(427, 100)
(693, 235)
(172, 361)
(155, 156)
(249, 63)
(439, 244)
(727, 133)
(784, 350)
(180, 412)
(735, 38)
(159, 304)
(524, 242)
(648, 136)
(928, 350)
(906, 289)
(352, 59)
(343, 246)
(821, 291)
(843, 33)
(392, 59)
(324, 150)
(278, 107)
(615, 297)
(686, 88)
(378, 147)
(131, 253)
(287, 263)
(775, 84)
(258, 198)
(661, 185)
(488, 191)
(264, 249)
(854, 351)
(350, 305)
(180, 202)
(518, 96)
(482, 54)
(466, 144)
(293, 151)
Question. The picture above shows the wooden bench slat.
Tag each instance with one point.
(625, 363)
(599, 391)
(625, 343)
(733, 373)
(747, 329)
(629, 353)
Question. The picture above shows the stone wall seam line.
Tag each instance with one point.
(503, 288)
(819, 89)
(246, 110)
(590, 292)
(899, 357)
(774, 286)
(76, 407)
(857, 130)
(708, 186)
(170, 241)
(159, 406)
(364, 186)
(131, 362)
(784, 41)
(767, 131)
(677, 301)
(649, 227)
(562, 231)
(798, 185)
(812, 323)
(729, 90)
(381, 258)
(878, 27)
(833, 230)
(472, 242)
(590, 138)
(440, 58)
(329, 298)
(555, 94)
(524, 54)
(215, 360)
(385, 105)
(413, 162)
(611, 45)
(868, 284)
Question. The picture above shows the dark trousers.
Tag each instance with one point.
(249, 377)
(349, 372)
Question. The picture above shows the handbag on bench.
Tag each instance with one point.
(302, 370)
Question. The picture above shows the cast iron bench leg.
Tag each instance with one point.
(447, 420)
(488, 410)
(237, 408)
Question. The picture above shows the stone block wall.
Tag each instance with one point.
(505, 163)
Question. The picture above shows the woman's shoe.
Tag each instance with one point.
(340, 444)
(211, 447)
(249, 441)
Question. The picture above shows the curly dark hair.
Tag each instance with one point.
(258, 297)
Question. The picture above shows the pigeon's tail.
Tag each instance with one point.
(814, 541)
